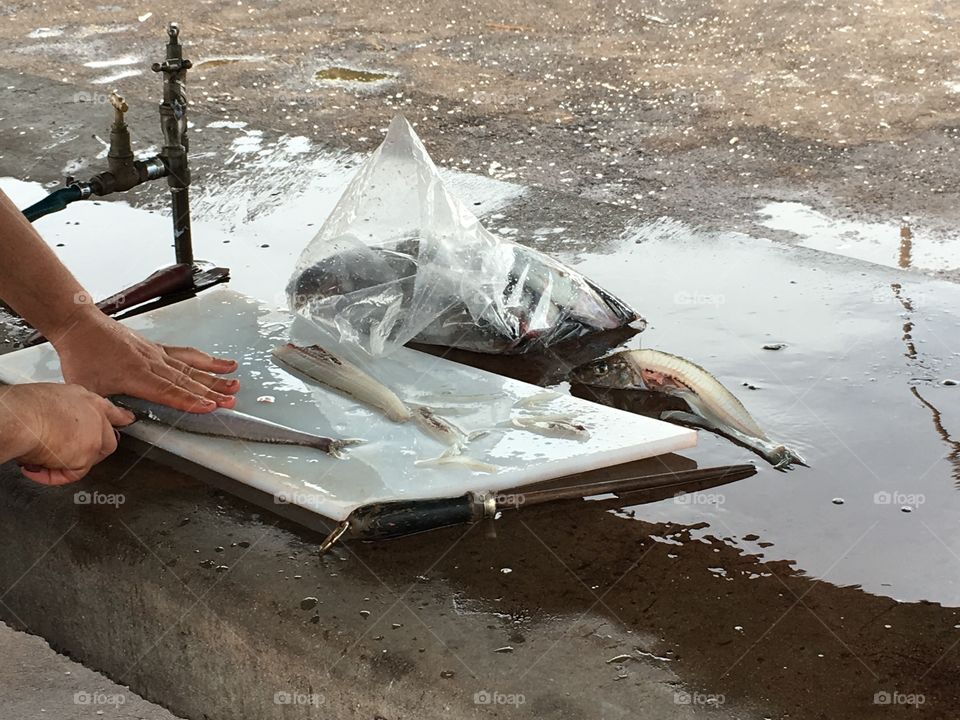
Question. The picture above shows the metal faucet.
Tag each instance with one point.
(125, 172)
(173, 124)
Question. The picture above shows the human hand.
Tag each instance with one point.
(57, 432)
(108, 358)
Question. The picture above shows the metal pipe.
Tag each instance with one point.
(173, 125)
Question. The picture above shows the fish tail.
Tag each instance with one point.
(335, 448)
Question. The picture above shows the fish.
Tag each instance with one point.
(528, 302)
(325, 367)
(439, 428)
(452, 457)
(227, 423)
(673, 375)
(537, 400)
(555, 426)
(714, 407)
(166, 281)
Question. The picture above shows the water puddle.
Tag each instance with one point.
(220, 61)
(114, 77)
(858, 388)
(897, 245)
(113, 62)
(338, 73)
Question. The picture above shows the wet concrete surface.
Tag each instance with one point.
(802, 594)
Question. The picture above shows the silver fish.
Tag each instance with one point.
(325, 367)
(537, 400)
(232, 424)
(714, 407)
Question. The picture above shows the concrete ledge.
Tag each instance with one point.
(138, 590)
(412, 628)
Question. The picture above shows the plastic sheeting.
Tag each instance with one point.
(400, 259)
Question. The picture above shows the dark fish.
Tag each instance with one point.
(227, 423)
(541, 302)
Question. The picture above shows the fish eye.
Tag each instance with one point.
(602, 367)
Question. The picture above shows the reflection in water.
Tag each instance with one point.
(906, 247)
(954, 455)
(908, 325)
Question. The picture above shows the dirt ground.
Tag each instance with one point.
(693, 109)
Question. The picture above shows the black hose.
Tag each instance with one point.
(55, 201)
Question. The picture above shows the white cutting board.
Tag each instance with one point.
(227, 323)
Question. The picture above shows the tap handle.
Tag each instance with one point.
(119, 106)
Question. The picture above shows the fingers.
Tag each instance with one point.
(108, 439)
(46, 476)
(200, 360)
(216, 384)
(200, 391)
(117, 416)
(176, 390)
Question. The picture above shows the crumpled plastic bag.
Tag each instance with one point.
(402, 259)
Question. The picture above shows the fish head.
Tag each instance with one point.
(611, 372)
(625, 372)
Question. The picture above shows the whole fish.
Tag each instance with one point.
(323, 366)
(715, 406)
(232, 424)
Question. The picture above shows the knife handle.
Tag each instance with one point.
(406, 517)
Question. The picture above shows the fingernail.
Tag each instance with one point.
(117, 433)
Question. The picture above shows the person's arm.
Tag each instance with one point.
(95, 351)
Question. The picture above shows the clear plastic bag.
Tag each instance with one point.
(402, 259)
